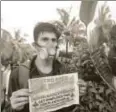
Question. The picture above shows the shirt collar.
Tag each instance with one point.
(34, 72)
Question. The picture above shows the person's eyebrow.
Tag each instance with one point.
(44, 38)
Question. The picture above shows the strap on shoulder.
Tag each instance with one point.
(24, 70)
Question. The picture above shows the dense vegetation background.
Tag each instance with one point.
(75, 54)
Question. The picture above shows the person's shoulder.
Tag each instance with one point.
(20, 69)
(24, 68)
(26, 64)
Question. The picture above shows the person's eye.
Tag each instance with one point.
(54, 40)
(45, 39)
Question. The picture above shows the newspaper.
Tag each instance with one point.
(53, 93)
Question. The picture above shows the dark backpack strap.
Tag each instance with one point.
(24, 71)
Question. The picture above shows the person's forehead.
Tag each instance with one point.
(47, 34)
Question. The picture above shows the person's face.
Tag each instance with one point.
(48, 42)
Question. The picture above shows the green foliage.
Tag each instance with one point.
(99, 96)
(64, 15)
(91, 67)
(16, 52)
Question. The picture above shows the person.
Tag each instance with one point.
(42, 65)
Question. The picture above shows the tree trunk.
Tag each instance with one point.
(87, 11)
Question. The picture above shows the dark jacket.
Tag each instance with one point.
(19, 79)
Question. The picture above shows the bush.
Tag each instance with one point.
(99, 96)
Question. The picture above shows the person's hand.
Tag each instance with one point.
(82, 87)
(19, 99)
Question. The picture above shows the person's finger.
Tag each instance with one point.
(19, 105)
(21, 99)
(81, 82)
(19, 108)
(82, 88)
(82, 92)
(22, 92)
(82, 85)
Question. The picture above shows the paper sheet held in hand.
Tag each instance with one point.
(53, 93)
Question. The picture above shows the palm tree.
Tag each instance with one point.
(70, 28)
